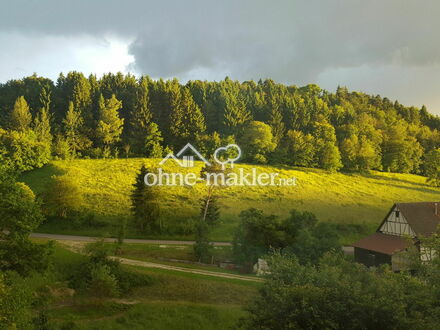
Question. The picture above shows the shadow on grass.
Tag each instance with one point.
(423, 187)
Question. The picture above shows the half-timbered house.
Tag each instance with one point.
(403, 226)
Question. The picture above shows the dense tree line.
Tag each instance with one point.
(79, 116)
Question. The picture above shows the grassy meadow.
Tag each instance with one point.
(171, 300)
(355, 203)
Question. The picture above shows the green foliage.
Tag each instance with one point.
(23, 150)
(307, 238)
(101, 276)
(300, 149)
(300, 234)
(73, 124)
(109, 127)
(153, 139)
(42, 125)
(349, 130)
(187, 122)
(20, 214)
(63, 196)
(141, 116)
(21, 117)
(256, 234)
(402, 152)
(145, 203)
(19, 211)
(202, 247)
(343, 200)
(339, 294)
(257, 141)
(210, 210)
(432, 164)
(61, 148)
(15, 303)
(102, 282)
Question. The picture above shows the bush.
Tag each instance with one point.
(103, 276)
(102, 282)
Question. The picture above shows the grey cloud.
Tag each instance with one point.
(290, 41)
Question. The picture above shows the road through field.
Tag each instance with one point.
(111, 240)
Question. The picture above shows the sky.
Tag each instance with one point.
(391, 48)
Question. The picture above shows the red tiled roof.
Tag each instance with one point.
(383, 243)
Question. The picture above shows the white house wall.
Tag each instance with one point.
(397, 226)
(427, 254)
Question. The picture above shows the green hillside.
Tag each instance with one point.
(356, 203)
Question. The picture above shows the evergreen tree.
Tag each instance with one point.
(187, 122)
(144, 203)
(110, 125)
(42, 127)
(300, 149)
(141, 118)
(21, 117)
(153, 139)
(277, 124)
(72, 125)
(202, 247)
(236, 114)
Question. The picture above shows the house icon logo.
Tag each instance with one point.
(186, 161)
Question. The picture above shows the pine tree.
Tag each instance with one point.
(72, 124)
(277, 124)
(144, 203)
(42, 120)
(186, 119)
(153, 139)
(21, 117)
(141, 117)
(110, 125)
(236, 114)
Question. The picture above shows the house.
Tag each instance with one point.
(403, 226)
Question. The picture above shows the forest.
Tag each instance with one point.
(121, 115)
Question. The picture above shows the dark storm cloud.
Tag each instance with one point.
(290, 41)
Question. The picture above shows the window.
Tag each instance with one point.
(397, 214)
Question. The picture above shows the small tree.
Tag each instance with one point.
(102, 282)
(20, 214)
(202, 247)
(21, 117)
(144, 202)
(209, 210)
(153, 139)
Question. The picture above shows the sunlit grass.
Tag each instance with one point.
(334, 197)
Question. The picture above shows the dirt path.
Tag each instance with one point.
(147, 264)
(127, 240)
(77, 246)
